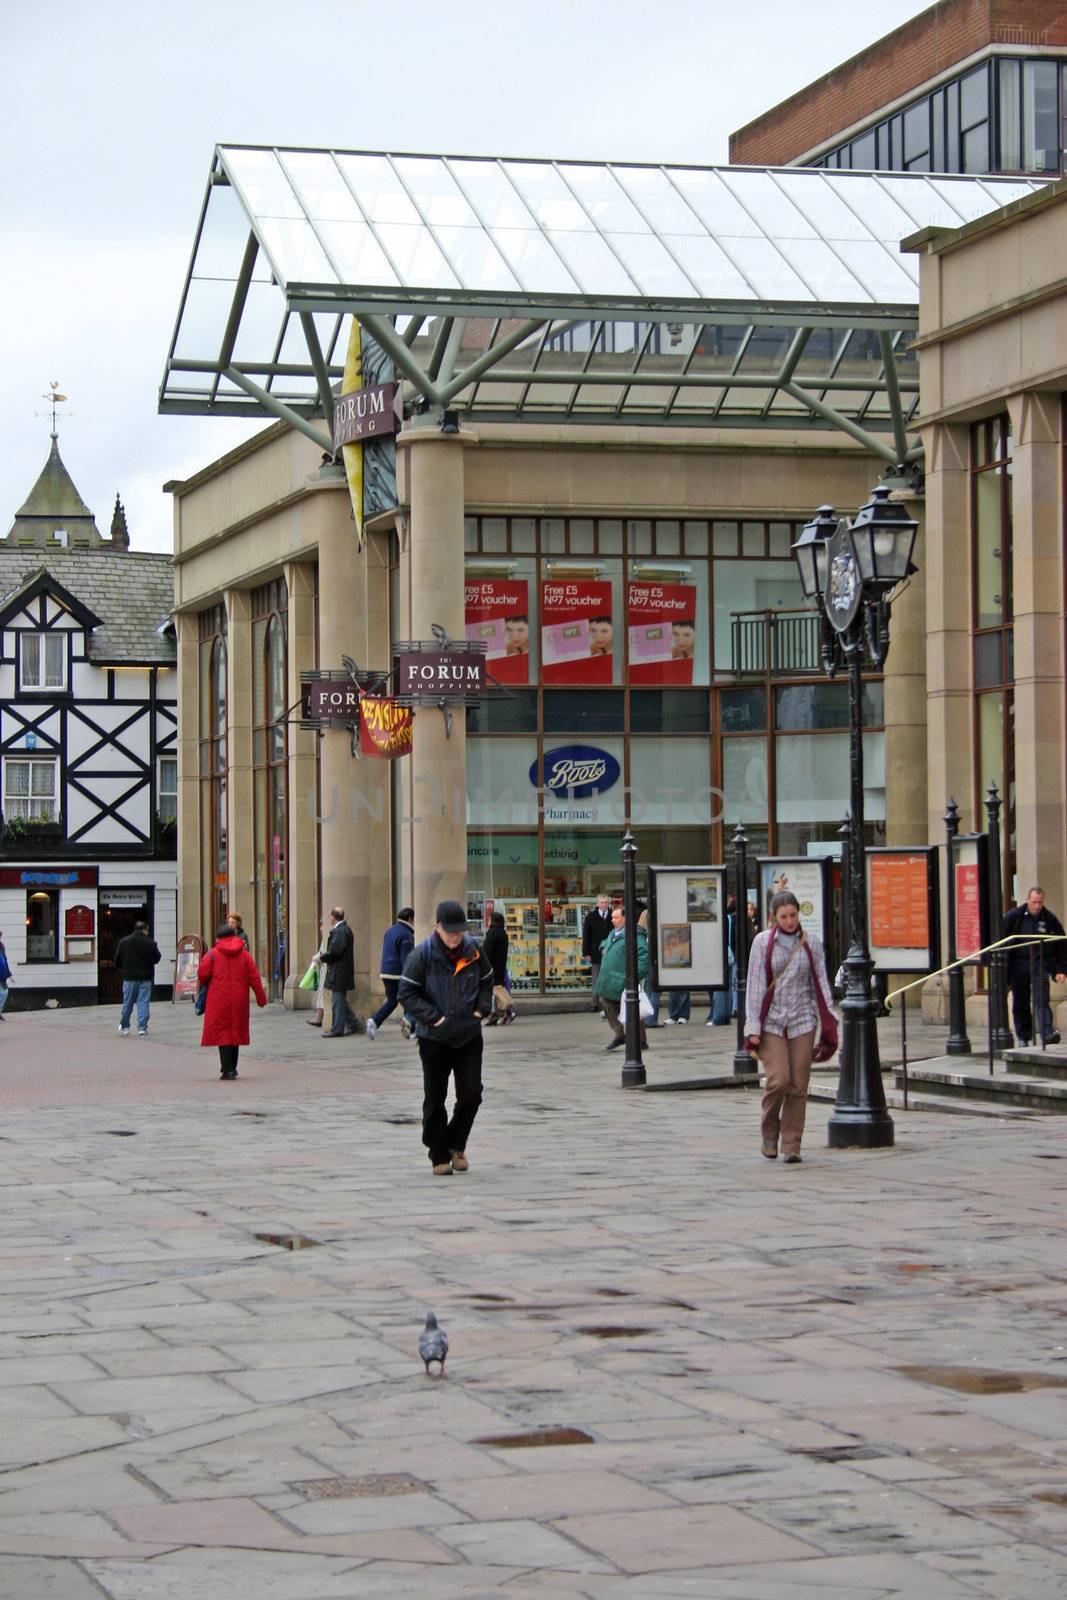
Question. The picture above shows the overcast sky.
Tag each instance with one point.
(110, 110)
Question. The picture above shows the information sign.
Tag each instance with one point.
(809, 878)
(190, 949)
(687, 924)
(970, 886)
(79, 922)
(902, 908)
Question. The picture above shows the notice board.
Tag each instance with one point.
(687, 924)
(902, 907)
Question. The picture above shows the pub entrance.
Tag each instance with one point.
(120, 909)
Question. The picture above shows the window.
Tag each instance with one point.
(42, 661)
(992, 621)
(30, 790)
(168, 788)
(42, 925)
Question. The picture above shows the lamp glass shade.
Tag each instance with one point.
(809, 551)
(883, 537)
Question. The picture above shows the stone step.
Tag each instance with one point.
(1037, 1063)
(1006, 1089)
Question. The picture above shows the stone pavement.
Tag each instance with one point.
(676, 1370)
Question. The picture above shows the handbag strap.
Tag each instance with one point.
(827, 1020)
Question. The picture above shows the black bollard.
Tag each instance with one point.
(633, 1068)
(957, 1043)
(743, 1062)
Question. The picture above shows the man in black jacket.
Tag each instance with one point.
(1030, 964)
(340, 977)
(596, 929)
(135, 957)
(447, 987)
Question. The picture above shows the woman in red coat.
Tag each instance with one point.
(229, 972)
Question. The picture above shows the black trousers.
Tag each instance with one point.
(228, 1054)
(441, 1134)
(1029, 993)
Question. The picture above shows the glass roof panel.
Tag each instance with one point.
(548, 197)
(651, 265)
(357, 253)
(709, 267)
(264, 187)
(659, 200)
(476, 259)
(890, 278)
(775, 213)
(826, 272)
(315, 176)
(535, 262)
(824, 205)
(597, 269)
(296, 251)
(713, 202)
(971, 198)
(379, 191)
(261, 323)
(417, 257)
(223, 238)
(602, 196)
(435, 192)
(207, 306)
(492, 194)
(767, 270)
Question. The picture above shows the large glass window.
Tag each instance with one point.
(42, 925)
(213, 725)
(993, 617)
(270, 747)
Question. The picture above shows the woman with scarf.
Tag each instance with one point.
(787, 1000)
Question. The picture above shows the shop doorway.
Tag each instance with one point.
(120, 911)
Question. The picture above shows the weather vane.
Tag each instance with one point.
(56, 399)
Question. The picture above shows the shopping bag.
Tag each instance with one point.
(646, 1010)
(310, 980)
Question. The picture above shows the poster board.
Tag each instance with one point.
(661, 621)
(687, 924)
(577, 632)
(497, 612)
(810, 878)
(190, 949)
(902, 908)
(970, 887)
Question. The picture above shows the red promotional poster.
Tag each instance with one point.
(968, 911)
(577, 632)
(498, 613)
(662, 624)
(384, 727)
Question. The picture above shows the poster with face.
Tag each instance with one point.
(577, 632)
(497, 612)
(662, 625)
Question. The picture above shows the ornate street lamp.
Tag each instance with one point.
(850, 572)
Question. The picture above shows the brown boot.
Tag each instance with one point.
(315, 1020)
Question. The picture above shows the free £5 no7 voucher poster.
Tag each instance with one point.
(577, 632)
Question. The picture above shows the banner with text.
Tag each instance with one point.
(497, 612)
(384, 727)
(577, 632)
(661, 618)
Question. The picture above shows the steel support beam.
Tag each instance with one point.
(838, 420)
(278, 408)
(457, 384)
(318, 364)
(394, 346)
(892, 384)
(566, 376)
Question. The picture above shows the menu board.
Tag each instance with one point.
(687, 924)
(497, 613)
(661, 623)
(902, 906)
(970, 889)
(577, 632)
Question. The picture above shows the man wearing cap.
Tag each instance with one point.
(447, 986)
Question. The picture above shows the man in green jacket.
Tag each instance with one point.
(611, 979)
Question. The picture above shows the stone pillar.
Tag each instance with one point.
(438, 786)
(191, 835)
(305, 911)
(1037, 583)
(240, 832)
(905, 701)
(950, 726)
(355, 793)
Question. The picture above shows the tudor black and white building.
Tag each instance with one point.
(88, 747)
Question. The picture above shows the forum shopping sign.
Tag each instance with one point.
(577, 632)
(661, 621)
(497, 613)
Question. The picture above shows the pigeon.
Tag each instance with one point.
(433, 1344)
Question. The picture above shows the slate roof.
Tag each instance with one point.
(132, 592)
(54, 502)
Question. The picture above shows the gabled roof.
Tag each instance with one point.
(767, 297)
(43, 582)
(54, 503)
(128, 594)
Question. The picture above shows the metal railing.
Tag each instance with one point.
(779, 643)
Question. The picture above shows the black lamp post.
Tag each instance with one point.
(957, 1043)
(743, 1062)
(850, 571)
(633, 1068)
(998, 977)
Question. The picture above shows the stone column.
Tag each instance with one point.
(240, 832)
(905, 701)
(438, 788)
(191, 835)
(305, 910)
(950, 726)
(1037, 582)
(355, 799)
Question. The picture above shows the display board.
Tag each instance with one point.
(497, 612)
(662, 631)
(577, 632)
(687, 917)
(970, 886)
(187, 960)
(810, 878)
(902, 907)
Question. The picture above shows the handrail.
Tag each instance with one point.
(1018, 941)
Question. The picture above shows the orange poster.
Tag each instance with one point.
(898, 898)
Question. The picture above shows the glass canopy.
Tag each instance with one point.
(553, 290)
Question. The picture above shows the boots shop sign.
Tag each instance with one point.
(370, 413)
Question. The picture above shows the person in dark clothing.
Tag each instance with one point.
(340, 977)
(495, 945)
(236, 924)
(6, 980)
(596, 930)
(135, 957)
(447, 987)
(1029, 965)
(229, 973)
(397, 945)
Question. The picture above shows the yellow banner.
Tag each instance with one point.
(353, 453)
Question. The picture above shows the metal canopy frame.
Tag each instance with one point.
(556, 292)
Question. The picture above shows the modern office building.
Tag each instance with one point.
(625, 388)
(88, 735)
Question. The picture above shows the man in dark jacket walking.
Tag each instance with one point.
(135, 957)
(397, 945)
(340, 977)
(448, 988)
(1030, 964)
(596, 930)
